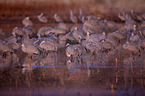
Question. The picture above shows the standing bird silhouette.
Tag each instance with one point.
(42, 18)
(73, 18)
(27, 22)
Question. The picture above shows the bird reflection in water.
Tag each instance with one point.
(9, 60)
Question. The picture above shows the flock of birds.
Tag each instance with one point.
(95, 36)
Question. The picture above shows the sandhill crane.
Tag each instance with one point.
(84, 42)
(75, 50)
(92, 17)
(42, 18)
(93, 26)
(93, 47)
(28, 41)
(94, 37)
(141, 43)
(62, 41)
(43, 31)
(9, 61)
(110, 24)
(135, 16)
(58, 31)
(69, 36)
(63, 26)
(134, 48)
(30, 49)
(29, 31)
(73, 18)
(48, 45)
(118, 34)
(134, 38)
(129, 20)
(32, 41)
(78, 34)
(14, 45)
(121, 16)
(73, 28)
(57, 18)
(18, 31)
(27, 22)
(106, 46)
(112, 40)
(10, 39)
(51, 37)
(71, 50)
(4, 47)
(81, 16)
(88, 23)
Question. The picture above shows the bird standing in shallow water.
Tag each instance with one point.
(18, 32)
(4, 47)
(42, 18)
(30, 49)
(121, 16)
(57, 18)
(135, 16)
(73, 18)
(29, 31)
(75, 50)
(93, 47)
(134, 37)
(27, 22)
(106, 46)
(10, 39)
(132, 47)
(95, 38)
(14, 45)
(58, 31)
(63, 26)
(78, 35)
(48, 46)
(81, 16)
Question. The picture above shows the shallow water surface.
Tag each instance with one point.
(59, 75)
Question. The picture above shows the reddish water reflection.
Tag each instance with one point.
(58, 77)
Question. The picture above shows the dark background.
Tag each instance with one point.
(13, 10)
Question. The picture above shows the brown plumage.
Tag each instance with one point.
(131, 47)
(73, 18)
(4, 47)
(75, 50)
(30, 49)
(27, 22)
(42, 18)
(57, 18)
